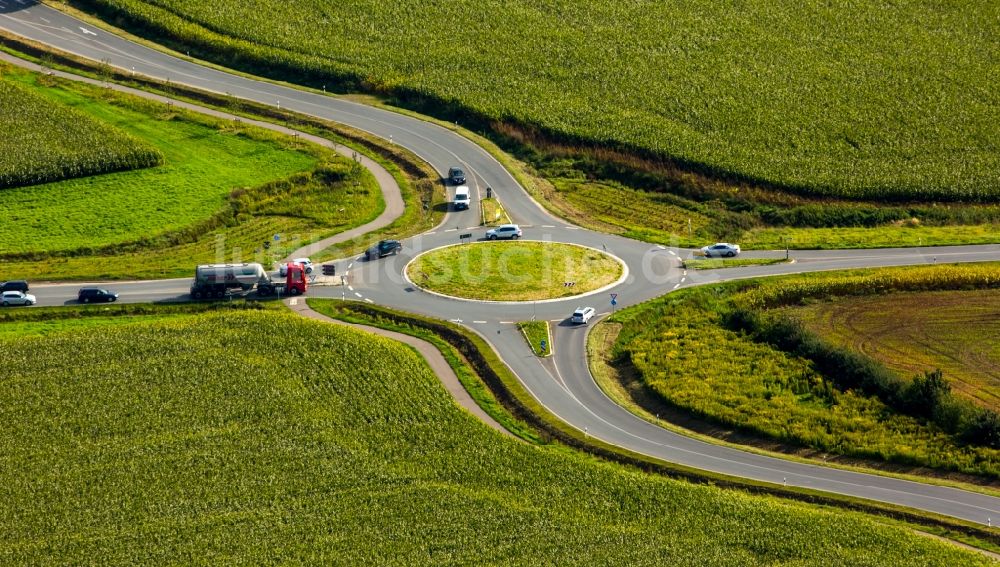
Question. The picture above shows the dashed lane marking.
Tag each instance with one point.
(672, 253)
(480, 322)
(350, 287)
(430, 233)
(506, 322)
(571, 227)
(548, 226)
(677, 285)
(683, 279)
(685, 272)
(349, 265)
(451, 230)
(357, 294)
(368, 300)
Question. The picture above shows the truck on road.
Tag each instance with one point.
(219, 280)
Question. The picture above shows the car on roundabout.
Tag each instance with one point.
(510, 231)
(17, 298)
(382, 249)
(582, 315)
(721, 249)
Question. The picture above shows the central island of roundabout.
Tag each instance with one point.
(515, 271)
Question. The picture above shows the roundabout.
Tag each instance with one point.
(562, 384)
(514, 271)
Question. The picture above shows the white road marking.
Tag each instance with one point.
(683, 279)
(368, 300)
(471, 227)
(672, 253)
(451, 229)
(480, 322)
(677, 286)
(86, 31)
(349, 265)
(350, 287)
(357, 294)
(555, 320)
(661, 247)
(430, 233)
(45, 20)
(685, 272)
(506, 322)
(293, 301)
(571, 227)
(548, 226)
(455, 320)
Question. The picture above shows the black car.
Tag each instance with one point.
(456, 176)
(383, 248)
(14, 285)
(91, 294)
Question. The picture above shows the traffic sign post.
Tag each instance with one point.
(614, 301)
(542, 345)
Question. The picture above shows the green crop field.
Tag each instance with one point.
(858, 99)
(957, 332)
(695, 350)
(43, 141)
(513, 271)
(202, 165)
(202, 439)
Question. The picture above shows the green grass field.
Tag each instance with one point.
(44, 141)
(686, 350)
(957, 332)
(202, 165)
(223, 191)
(513, 271)
(852, 99)
(206, 441)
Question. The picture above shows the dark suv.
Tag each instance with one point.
(89, 294)
(383, 248)
(14, 285)
(456, 176)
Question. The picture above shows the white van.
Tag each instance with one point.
(461, 198)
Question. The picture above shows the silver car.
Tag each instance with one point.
(511, 231)
(721, 249)
(16, 298)
(582, 315)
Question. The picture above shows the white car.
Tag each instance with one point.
(306, 264)
(721, 249)
(582, 315)
(511, 231)
(16, 298)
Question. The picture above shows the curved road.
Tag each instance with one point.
(563, 384)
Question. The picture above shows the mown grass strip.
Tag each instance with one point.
(718, 263)
(538, 336)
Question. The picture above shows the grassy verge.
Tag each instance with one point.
(513, 271)
(717, 263)
(493, 212)
(537, 332)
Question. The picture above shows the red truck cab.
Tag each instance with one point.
(295, 279)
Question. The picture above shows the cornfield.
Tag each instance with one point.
(853, 99)
(43, 141)
(261, 438)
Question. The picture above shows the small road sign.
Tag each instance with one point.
(542, 344)
(614, 296)
(277, 237)
(464, 236)
(614, 301)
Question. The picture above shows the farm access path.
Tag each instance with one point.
(562, 384)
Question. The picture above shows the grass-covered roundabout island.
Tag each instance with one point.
(514, 271)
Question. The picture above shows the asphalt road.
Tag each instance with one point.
(563, 384)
